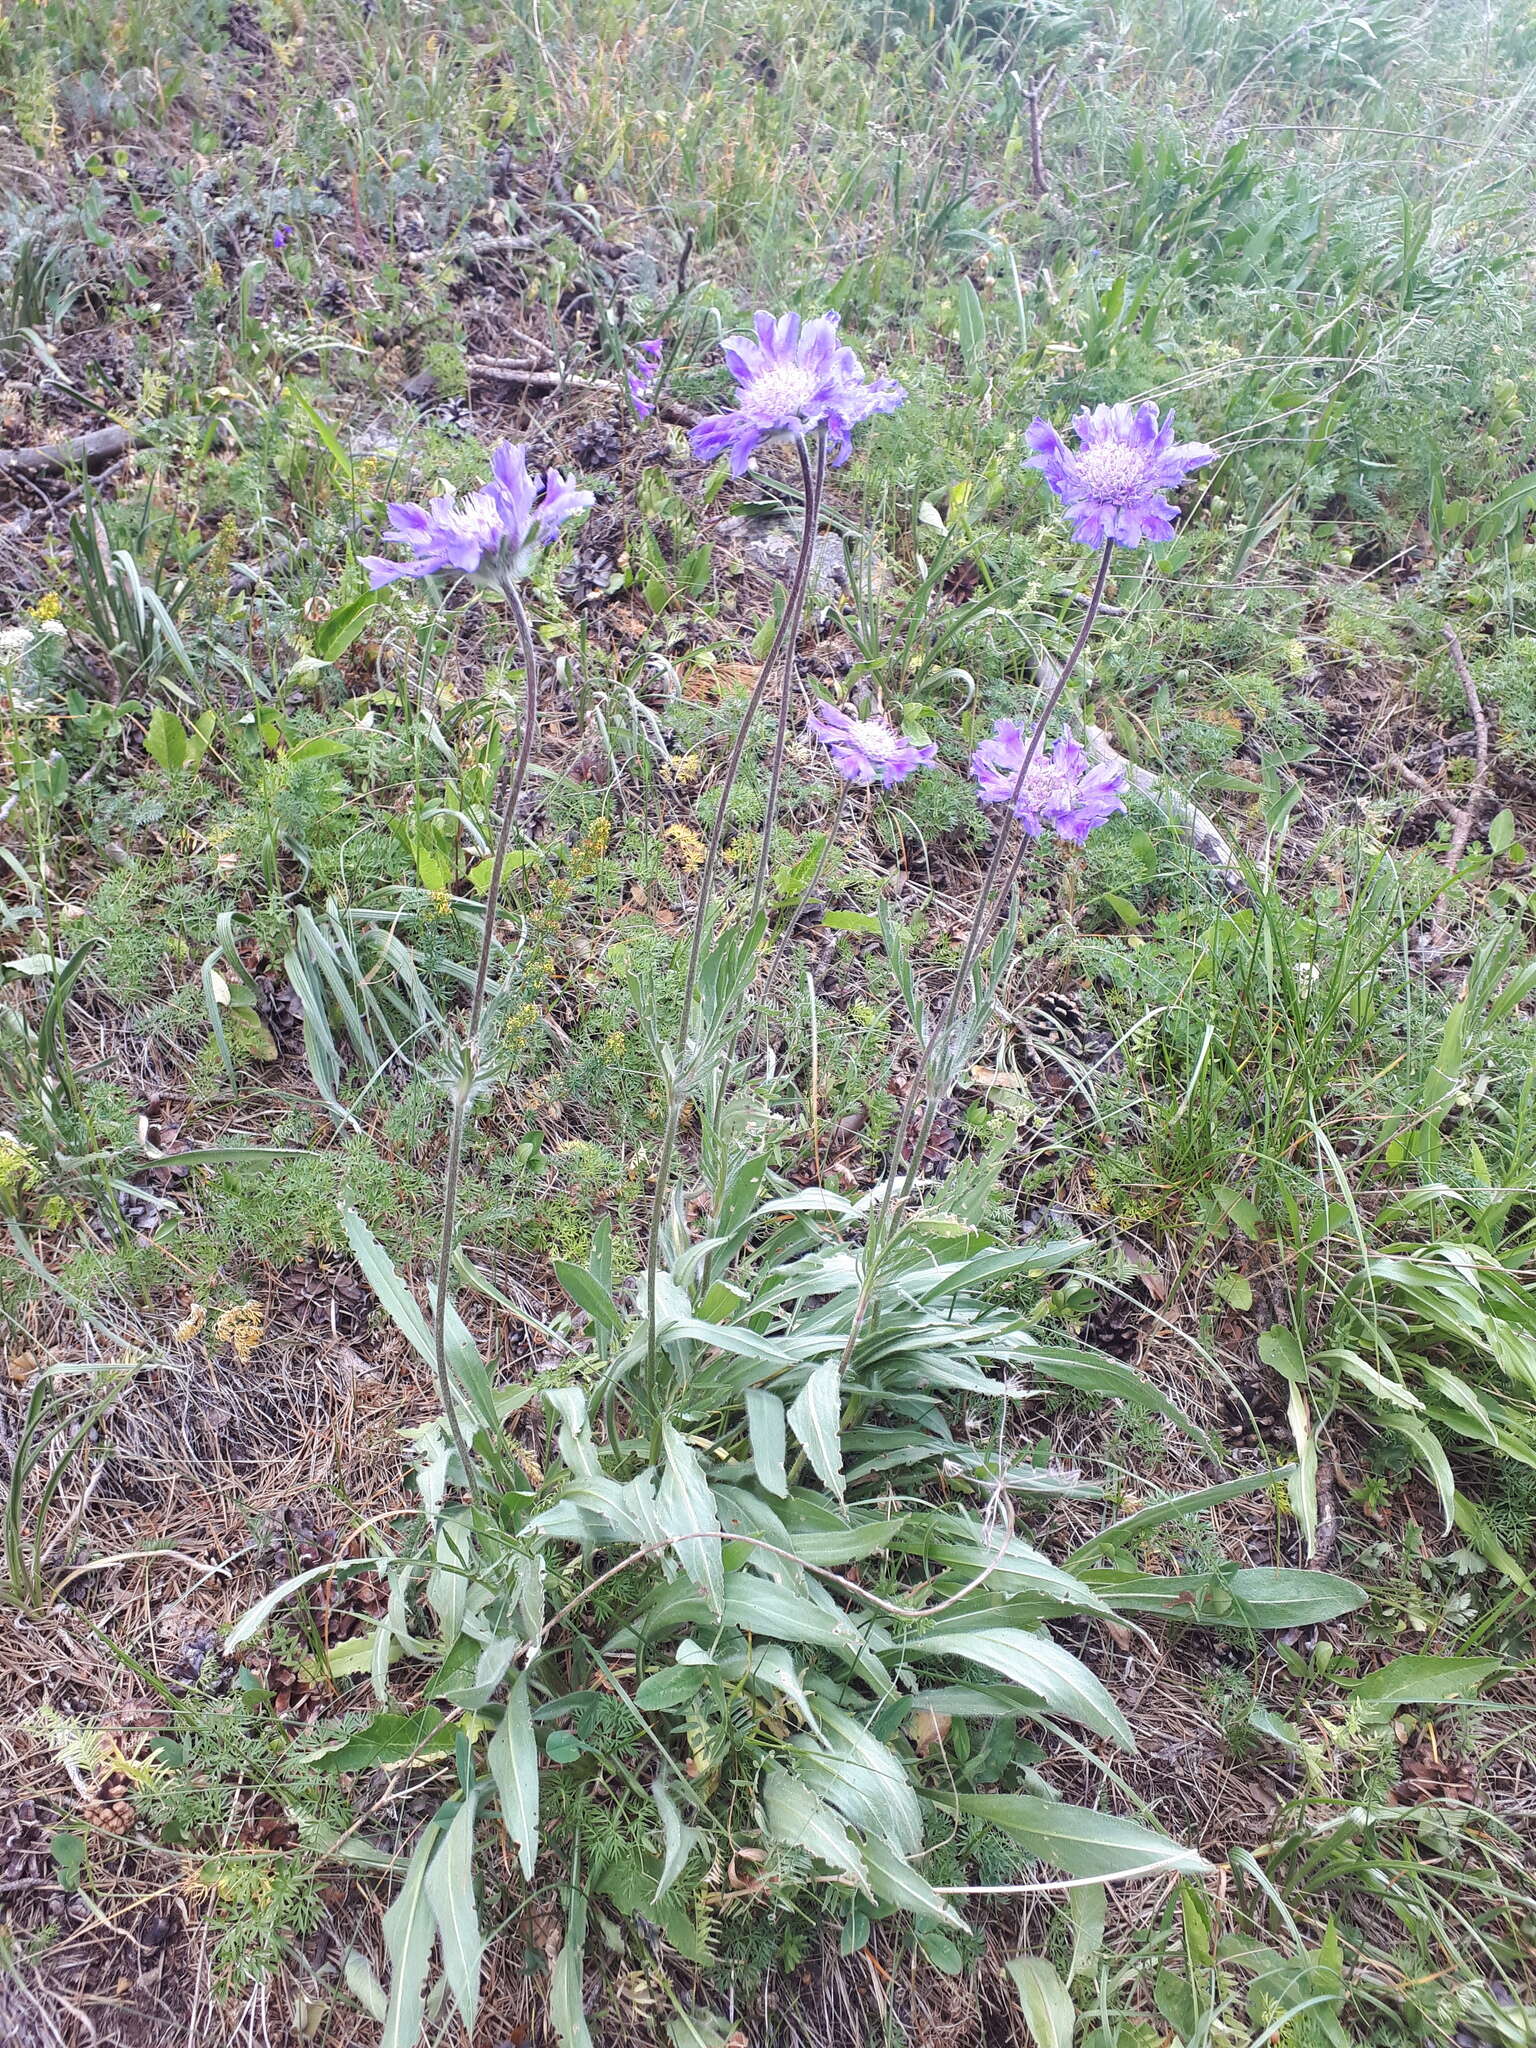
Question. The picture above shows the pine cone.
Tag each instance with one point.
(1254, 1414)
(598, 445)
(1427, 1776)
(1116, 1326)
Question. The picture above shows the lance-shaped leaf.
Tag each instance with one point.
(684, 1505)
(407, 1929)
(451, 1894)
(895, 1883)
(1060, 1682)
(1076, 1839)
(816, 1417)
(513, 1756)
(800, 1819)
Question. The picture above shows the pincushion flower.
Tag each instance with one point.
(488, 534)
(1062, 790)
(642, 378)
(792, 380)
(868, 750)
(1112, 485)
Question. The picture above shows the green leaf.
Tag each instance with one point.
(1501, 833)
(388, 1739)
(895, 1883)
(1173, 1509)
(451, 1893)
(513, 1756)
(408, 1929)
(1282, 1353)
(678, 1840)
(800, 1819)
(1075, 1838)
(1421, 1681)
(1237, 1208)
(765, 1427)
(256, 1618)
(335, 633)
(1048, 2010)
(816, 1417)
(1232, 1287)
(1040, 1666)
(972, 322)
(166, 740)
(566, 2015)
(589, 1294)
(673, 1686)
(850, 921)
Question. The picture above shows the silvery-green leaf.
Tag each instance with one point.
(566, 2014)
(1048, 2010)
(765, 1426)
(677, 1839)
(407, 1929)
(513, 1756)
(864, 1780)
(816, 1416)
(798, 1818)
(895, 1883)
(1076, 1839)
(685, 1503)
(1060, 1682)
(451, 1894)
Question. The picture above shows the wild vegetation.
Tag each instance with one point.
(767, 1258)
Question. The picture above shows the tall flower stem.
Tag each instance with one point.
(812, 483)
(918, 1090)
(508, 796)
(776, 959)
(811, 477)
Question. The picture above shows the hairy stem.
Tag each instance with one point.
(789, 626)
(889, 1216)
(508, 795)
(811, 483)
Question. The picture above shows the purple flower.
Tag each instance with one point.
(868, 750)
(282, 235)
(496, 530)
(1113, 485)
(792, 380)
(642, 378)
(1061, 789)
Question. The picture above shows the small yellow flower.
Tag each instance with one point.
(49, 606)
(439, 903)
(242, 1329)
(688, 848)
(191, 1325)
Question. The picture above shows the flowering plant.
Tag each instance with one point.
(1062, 789)
(492, 535)
(868, 750)
(1112, 485)
(792, 380)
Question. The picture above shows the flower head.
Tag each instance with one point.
(792, 380)
(496, 530)
(1113, 484)
(867, 750)
(642, 378)
(282, 235)
(1061, 789)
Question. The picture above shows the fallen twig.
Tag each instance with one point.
(98, 446)
(493, 370)
(1186, 818)
(1465, 814)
